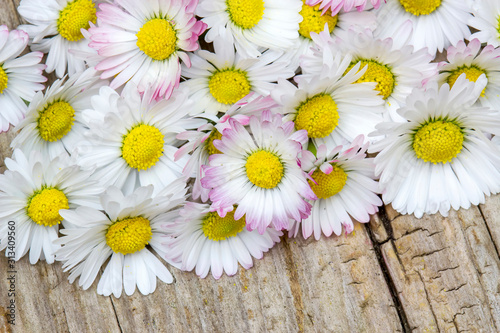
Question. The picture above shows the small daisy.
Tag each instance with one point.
(20, 78)
(437, 23)
(486, 19)
(332, 109)
(440, 158)
(125, 233)
(255, 24)
(343, 181)
(133, 144)
(395, 70)
(313, 21)
(55, 28)
(333, 7)
(218, 80)
(54, 123)
(141, 42)
(200, 142)
(32, 191)
(474, 61)
(203, 240)
(259, 173)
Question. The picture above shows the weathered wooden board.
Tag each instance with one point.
(396, 274)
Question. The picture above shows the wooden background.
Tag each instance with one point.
(395, 274)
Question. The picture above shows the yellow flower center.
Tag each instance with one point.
(214, 135)
(264, 169)
(142, 147)
(318, 115)
(219, 228)
(75, 16)
(472, 73)
(498, 25)
(3, 80)
(43, 207)
(157, 39)
(228, 86)
(55, 121)
(129, 235)
(438, 141)
(313, 21)
(245, 13)
(328, 185)
(420, 7)
(378, 73)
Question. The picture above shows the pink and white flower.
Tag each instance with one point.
(141, 42)
(346, 5)
(474, 61)
(257, 171)
(202, 240)
(343, 179)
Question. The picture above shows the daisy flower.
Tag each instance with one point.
(20, 77)
(440, 158)
(437, 23)
(255, 24)
(474, 61)
(332, 109)
(259, 173)
(313, 21)
(141, 42)
(200, 142)
(218, 80)
(55, 28)
(395, 70)
(343, 181)
(333, 7)
(202, 240)
(131, 142)
(54, 123)
(126, 233)
(486, 19)
(32, 191)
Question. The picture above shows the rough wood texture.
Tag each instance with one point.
(395, 274)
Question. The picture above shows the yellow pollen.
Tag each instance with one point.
(498, 25)
(157, 39)
(420, 7)
(75, 16)
(328, 185)
(55, 121)
(219, 228)
(472, 73)
(44, 205)
(228, 86)
(215, 135)
(313, 21)
(3, 80)
(245, 13)
(129, 235)
(438, 141)
(264, 169)
(378, 73)
(142, 147)
(318, 115)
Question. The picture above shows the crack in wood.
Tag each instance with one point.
(428, 299)
(116, 314)
(294, 285)
(387, 277)
(489, 231)
(426, 254)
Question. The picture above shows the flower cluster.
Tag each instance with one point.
(292, 117)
